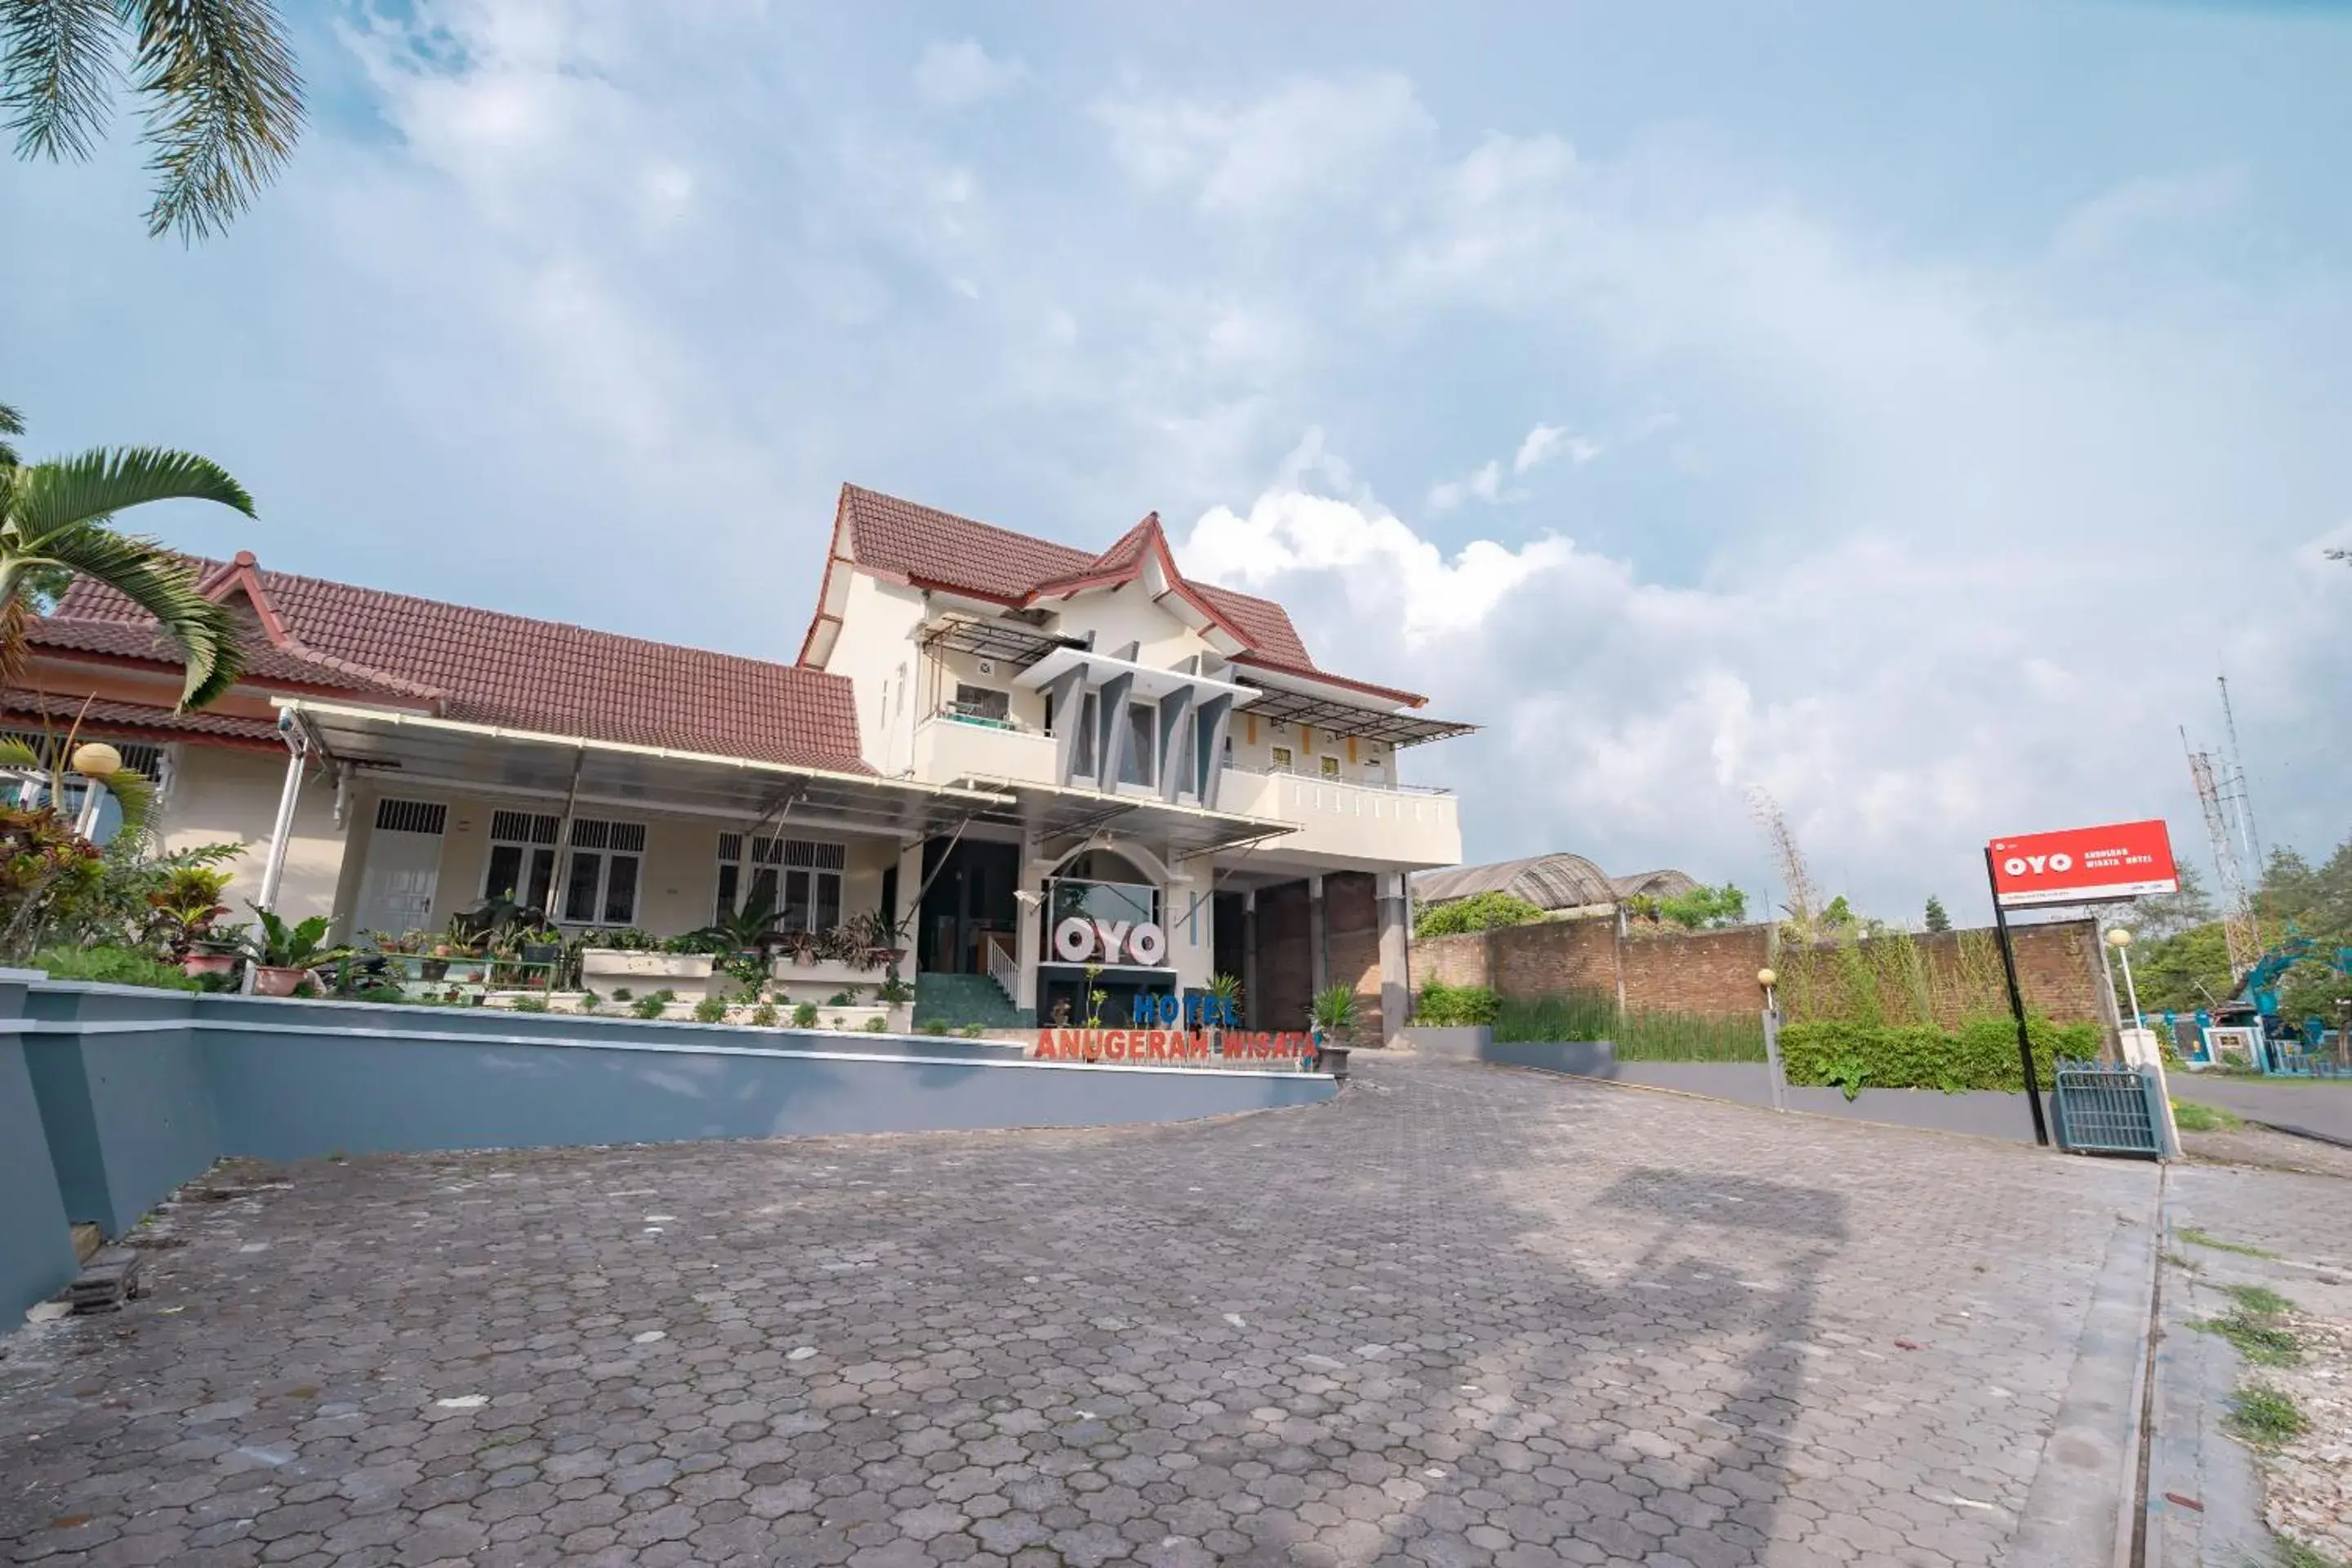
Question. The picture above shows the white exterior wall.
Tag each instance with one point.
(878, 650)
(229, 796)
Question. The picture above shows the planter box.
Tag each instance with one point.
(645, 965)
(815, 982)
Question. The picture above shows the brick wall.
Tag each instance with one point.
(1715, 971)
(1351, 943)
(1705, 971)
(1554, 956)
(1285, 978)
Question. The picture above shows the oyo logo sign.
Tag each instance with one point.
(2037, 865)
(1079, 940)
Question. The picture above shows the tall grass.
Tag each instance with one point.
(1638, 1036)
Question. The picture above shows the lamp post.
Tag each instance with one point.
(1769, 979)
(2121, 940)
(96, 762)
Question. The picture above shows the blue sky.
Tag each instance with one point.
(1903, 410)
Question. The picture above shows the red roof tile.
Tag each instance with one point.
(490, 667)
(900, 538)
(134, 720)
(143, 643)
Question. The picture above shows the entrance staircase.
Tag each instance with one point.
(962, 1000)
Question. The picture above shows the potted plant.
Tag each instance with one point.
(283, 955)
(1334, 1018)
(183, 910)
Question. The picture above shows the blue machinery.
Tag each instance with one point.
(2249, 1022)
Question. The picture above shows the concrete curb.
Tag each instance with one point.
(2083, 1505)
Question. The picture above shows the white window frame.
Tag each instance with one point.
(1278, 760)
(823, 861)
(521, 833)
(609, 842)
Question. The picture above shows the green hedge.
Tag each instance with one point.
(1637, 1036)
(1442, 1006)
(1980, 1054)
(1479, 912)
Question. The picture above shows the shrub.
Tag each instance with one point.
(622, 993)
(530, 1004)
(650, 1004)
(876, 1025)
(1980, 1054)
(804, 1015)
(936, 1026)
(972, 1031)
(112, 966)
(381, 994)
(1442, 1006)
(764, 1015)
(1705, 907)
(1637, 1036)
(1479, 912)
(711, 1010)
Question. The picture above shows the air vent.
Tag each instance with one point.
(411, 816)
(522, 828)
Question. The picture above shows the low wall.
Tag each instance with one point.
(111, 1097)
(1987, 1113)
(37, 1255)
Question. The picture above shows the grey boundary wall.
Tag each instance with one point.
(110, 1097)
(1987, 1113)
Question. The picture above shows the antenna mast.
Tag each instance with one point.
(2237, 933)
(2242, 790)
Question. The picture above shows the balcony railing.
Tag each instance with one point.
(1380, 785)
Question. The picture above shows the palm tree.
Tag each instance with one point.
(223, 97)
(57, 518)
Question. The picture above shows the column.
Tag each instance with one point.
(910, 906)
(1249, 958)
(1396, 978)
(1030, 912)
(1317, 940)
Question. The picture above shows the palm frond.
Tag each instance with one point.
(134, 792)
(224, 107)
(69, 491)
(11, 422)
(57, 73)
(17, 753)
(162, 584)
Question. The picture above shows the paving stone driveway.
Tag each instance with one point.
(1462, 1315)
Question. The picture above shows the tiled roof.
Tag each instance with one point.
(133, 640)
(927, 545)
(135, 719)
(489, 667)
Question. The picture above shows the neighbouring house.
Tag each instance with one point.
(1564, 886)
(1059, 771)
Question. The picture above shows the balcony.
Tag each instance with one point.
(1373, 825)
(954, 745)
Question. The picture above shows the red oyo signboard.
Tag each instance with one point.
(2083, 865)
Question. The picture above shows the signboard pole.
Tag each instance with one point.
(2016, 1003)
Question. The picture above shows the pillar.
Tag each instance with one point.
(1318, 957)
(1396, 979)
(1249, 958)
(1030, 945)
(911, 905)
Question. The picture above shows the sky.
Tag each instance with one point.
(1905, 412)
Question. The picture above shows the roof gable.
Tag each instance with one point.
(938, 549)
(488, 666)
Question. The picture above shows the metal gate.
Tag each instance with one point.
(2109, 1109)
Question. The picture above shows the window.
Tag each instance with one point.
(1328, 767)
(519, 838)
(981, 702)
(1140, 765)
(799, 878)
(1281, 759)
(26, 788)
(1082, 744)
(600, 880)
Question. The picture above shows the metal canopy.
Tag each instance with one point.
(497, 761)
(1149, 682)
(1346, 719)
(1176, 832)
(1008, 640)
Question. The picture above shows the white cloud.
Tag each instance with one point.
(1311, 140)
(1484, 482)
(2116, 217)
(1546, 442)
(958, 73)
